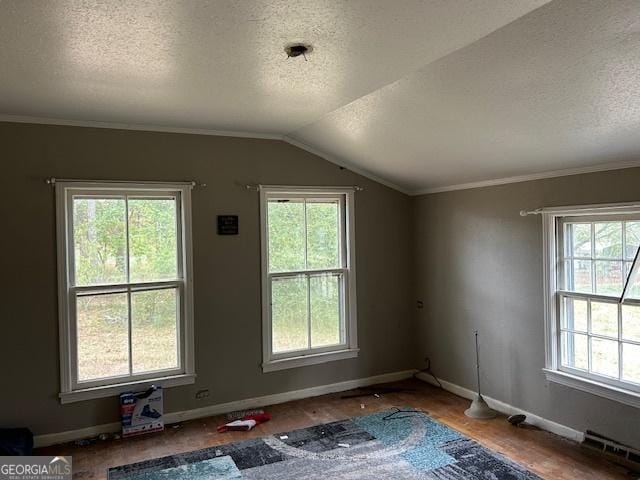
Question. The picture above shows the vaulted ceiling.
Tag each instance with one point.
(422, 94)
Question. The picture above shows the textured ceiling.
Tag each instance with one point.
(221, 64)
(556, 89)
(421, 93)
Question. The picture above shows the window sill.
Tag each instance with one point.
(591, 386)
(304, 360)
(113, 390)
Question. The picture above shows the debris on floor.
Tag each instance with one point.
(517, 419)
(376, 391)
(103, 437)
(239, 414)
(83, 442)
(16, 441)
(245, 423)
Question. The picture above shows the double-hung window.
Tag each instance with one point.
(124, 286)
(308, 276)
(593, 338)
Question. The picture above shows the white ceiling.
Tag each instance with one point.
(422, 94)
(556, 89)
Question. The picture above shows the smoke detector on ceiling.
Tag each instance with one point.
(297, 49)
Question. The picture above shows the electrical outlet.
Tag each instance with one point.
(202, 393)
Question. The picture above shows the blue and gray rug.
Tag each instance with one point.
(411, 446)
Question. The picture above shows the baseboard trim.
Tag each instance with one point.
(49, 439)
(502, 407)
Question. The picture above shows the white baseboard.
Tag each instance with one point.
(507, 409)
(248, 403)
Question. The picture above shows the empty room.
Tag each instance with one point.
(331, 239)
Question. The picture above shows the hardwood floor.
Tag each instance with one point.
(549, 456)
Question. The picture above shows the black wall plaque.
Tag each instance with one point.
(227, 224)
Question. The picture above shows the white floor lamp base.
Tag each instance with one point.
(480, 409)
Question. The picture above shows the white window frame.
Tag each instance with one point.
(553, 220)
(72, 390)
(349, 348)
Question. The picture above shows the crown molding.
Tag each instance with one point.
(139, 127)
(335, 160)
(534, 176)
(199, 131)
(343, 163)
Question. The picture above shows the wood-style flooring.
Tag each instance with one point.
(548, 455)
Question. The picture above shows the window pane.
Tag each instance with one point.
(633, 290)
(579, 280)
(103, 340)
(323, 235)
(631, 323)
(604, 357)
(575, 314)
(632, 239)
(608, 240)
(286, 236)
(604, 319)
(99, 229)
(289, 314)
(154, 338)
(153, 241)
(575, 351)
(608, 277)
(325, 310)
(581, 245)
(631, 362)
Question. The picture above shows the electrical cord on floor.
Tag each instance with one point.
(428, 371)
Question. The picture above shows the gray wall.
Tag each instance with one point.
(475, 261)
(226, 269)
(479, 266)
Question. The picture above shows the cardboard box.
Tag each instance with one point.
(142, 412)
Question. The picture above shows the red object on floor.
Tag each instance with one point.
(246, 423)
(259, 417)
